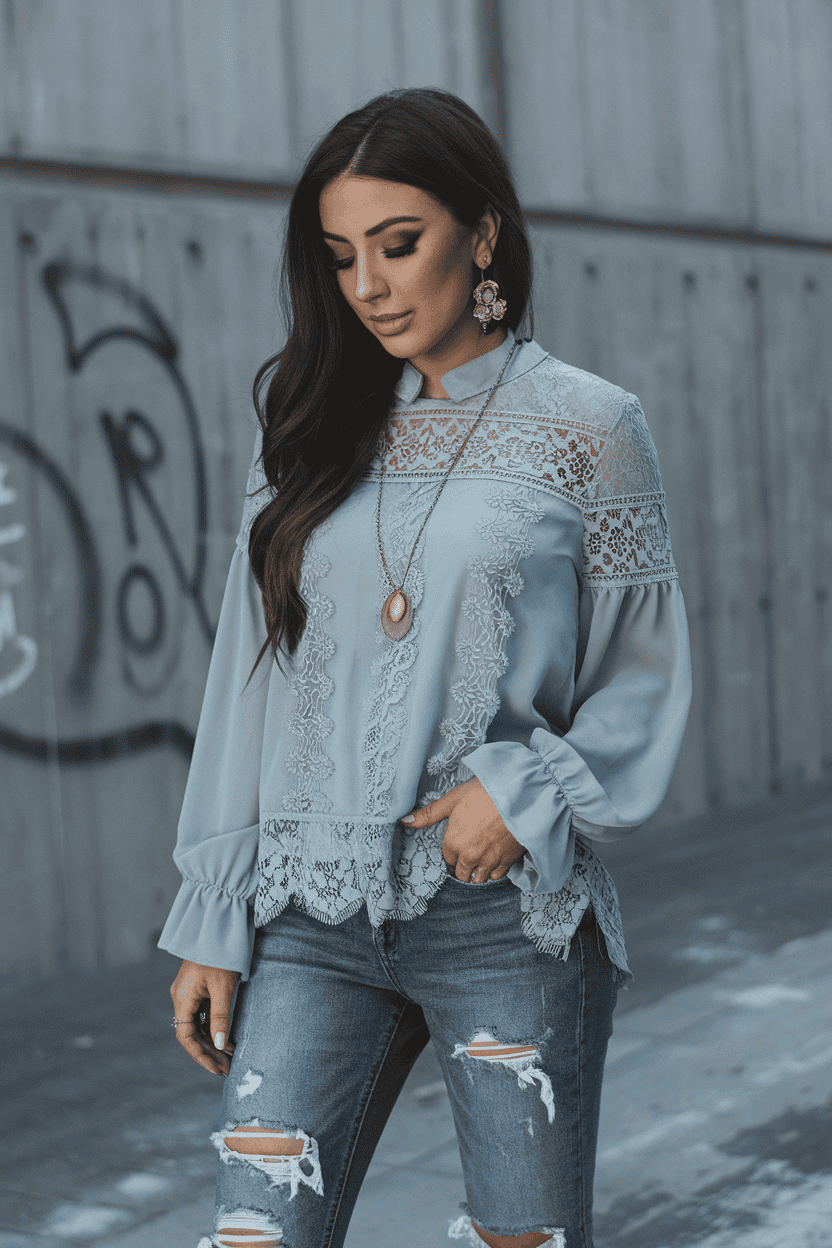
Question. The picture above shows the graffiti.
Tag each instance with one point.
(89, 575)
(132, 468)
(24, 649)
(135, 449)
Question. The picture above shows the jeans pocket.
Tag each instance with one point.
(475, 883)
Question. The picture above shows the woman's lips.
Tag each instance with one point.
(392, 325)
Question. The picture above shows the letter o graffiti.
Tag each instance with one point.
(137, 643)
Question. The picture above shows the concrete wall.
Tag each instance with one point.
(200, 83)
(135, 330)
(707, 124)
(705, 110)
(651, 141)
(132, 326)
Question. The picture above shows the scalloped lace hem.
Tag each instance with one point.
(330, 869)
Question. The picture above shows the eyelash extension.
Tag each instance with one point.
(391, 253)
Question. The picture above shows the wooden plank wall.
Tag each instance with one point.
(694, 113)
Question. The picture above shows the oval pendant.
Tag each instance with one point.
(396, 614)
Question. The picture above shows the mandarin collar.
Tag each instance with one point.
(475, 376)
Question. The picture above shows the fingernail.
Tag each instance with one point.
(218, 1040)
(408, 819)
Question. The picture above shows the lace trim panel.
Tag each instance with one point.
(628, 466)
(311, 687)
(627, 545)
(551, 919)
(557, 457)
(331, 867)
(611, 474)
(626, 538)
(361, 862)
(481, 648)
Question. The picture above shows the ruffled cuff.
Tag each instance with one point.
(533, 808)
(212, 923)
(211, 927)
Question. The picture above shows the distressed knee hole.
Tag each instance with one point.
(464, 1228)
(267, 1141)
(244, 1228)
(281, 1154)
(523, 1059)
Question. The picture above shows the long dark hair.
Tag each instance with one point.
(330, 389)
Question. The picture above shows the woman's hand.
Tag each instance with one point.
(477, 843)
(211, 989)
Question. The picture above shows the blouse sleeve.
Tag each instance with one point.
(610, 771)
(216, 847)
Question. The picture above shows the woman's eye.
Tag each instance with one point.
(390, 253)
(406, 249)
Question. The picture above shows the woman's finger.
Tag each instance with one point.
(204, 993)
(186, 1034)
(220, 1014)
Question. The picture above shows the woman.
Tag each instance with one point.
(452, 654)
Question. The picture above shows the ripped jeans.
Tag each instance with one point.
(333, 1018)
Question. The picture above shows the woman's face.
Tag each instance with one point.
(404, 263)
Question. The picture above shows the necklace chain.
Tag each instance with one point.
(442, 485)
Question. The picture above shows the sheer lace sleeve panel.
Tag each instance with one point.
(626, 537)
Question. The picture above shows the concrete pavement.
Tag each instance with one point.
(717, 1099)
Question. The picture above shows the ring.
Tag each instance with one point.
(177, 1021)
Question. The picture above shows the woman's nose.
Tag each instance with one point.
(368, 283)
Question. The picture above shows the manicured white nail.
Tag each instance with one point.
(218, 1038)
(408, 819)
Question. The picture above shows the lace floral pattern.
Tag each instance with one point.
(559, 458)
(551, 919)
(481, 648)
(552, 389)
(357, 862)
(395, 875)
(311, 686)
(628, 465)
(605, 463)
(627, 545)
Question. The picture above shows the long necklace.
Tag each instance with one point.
(397, 612)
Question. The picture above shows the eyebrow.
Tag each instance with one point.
(376, 229)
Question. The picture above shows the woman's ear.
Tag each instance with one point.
(488, 227)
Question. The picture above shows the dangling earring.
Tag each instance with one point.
(488, 307)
